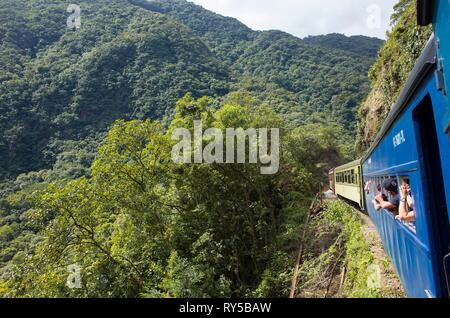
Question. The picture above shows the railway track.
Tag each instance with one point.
(384, 276)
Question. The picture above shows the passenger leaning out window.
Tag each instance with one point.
(390, 203)
(406, 209)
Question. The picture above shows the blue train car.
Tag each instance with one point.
(413, 148)
(437, 12)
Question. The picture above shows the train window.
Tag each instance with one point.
(368, 186)
(376, 186)
(373, 186)
(386, 196)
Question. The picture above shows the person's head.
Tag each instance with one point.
(390, 185)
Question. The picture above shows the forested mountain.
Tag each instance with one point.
(358, 44)
(85, 122)
(60, 89)
(389, 73)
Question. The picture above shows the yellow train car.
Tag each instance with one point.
(348, 182)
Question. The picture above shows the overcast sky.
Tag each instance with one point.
(309, 17)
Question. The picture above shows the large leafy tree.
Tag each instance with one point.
(145, 226)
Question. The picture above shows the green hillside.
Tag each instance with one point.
(85, 169)
(134, 59)
(396, 60)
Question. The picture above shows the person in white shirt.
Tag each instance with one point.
(406, 208)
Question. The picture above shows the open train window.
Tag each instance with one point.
(375, 182)
(386, 197)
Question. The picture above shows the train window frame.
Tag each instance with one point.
(409, 226)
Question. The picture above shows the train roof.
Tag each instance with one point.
(349, 165)
(425, 11)
(424, 64)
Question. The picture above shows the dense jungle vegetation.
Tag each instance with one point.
(61, 90)
(85, 170)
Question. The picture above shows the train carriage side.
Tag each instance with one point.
(348, 182)
(437, 12)
(412, 148)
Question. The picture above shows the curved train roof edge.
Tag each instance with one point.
(424, 64)
(349, 165)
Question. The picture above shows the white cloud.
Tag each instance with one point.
(309, 17)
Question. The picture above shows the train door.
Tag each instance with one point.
(360, 183)
(434, 196)
(331, 178)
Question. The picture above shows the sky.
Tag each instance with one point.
(309, 17)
